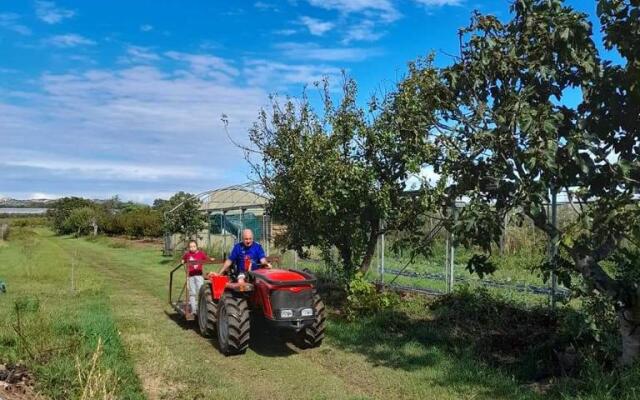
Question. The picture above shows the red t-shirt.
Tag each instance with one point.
(199, 255)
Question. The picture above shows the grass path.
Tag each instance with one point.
(356, 361)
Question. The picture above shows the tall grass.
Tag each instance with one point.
(60, 326)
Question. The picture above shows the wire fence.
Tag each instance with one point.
(520, 250)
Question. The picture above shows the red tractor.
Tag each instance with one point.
(285, 298)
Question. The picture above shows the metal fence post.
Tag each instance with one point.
(209, 230)
(450, 256)
(382, 253)
(378, 267)
(224, 234)
(241, 224)
(553, 247)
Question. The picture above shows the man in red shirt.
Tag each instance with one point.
(194, 272)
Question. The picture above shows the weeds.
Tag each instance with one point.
(96, 382)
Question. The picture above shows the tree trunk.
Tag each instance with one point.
(369, 250)
(347, 259)
(94, 224)
(629, 320)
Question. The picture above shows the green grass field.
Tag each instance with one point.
(72, 294)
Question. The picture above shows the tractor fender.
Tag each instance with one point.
(218, 284)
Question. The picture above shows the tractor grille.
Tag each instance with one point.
(287, 299)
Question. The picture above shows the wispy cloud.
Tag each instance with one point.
(364, 31)
(137, 128)
(69, 40)
(146, 28)
(384, 9)
(285, 32)
(48, 12)
(205, 64)
(116, 170)
(11, 22)
(139, 55)
(361, 20)
(315, 26)
(312, 51)
(439, 3)
(263, 72)
(264, 6)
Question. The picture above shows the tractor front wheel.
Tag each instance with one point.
(312, 336)
(207, 311)
(234, 324)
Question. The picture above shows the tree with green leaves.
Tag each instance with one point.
(511, 138)
(83, 220)
(62, 209)
(181, 214)
(339, 180)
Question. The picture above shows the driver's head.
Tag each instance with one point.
(247, 237)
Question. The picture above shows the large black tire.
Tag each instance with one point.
(234, 324)
(313, 335)
(207, 312)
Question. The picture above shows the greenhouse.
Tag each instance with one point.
(230, 210)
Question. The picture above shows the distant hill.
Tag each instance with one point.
(31, 203)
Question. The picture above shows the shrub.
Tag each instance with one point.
(364, 298)
(143, 222)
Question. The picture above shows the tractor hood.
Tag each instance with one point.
(284, 277)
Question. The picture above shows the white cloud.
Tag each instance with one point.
(316, 27)
(285, 32)
(426, 175)
(261, 5)
(49, 13)
(10, 21)
(108, 170)
(69, 40)
(146, 28)
(263, 72)
(362, 31)
(40, 196)
(439, 3)
(140, 55)
(385, 9)
(139, 130)
(311, 51)
(205, 65)
(360, 20)
(136, 128)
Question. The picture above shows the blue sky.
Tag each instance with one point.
(124, 97)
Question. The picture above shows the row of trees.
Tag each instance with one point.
(78, 216)
(528, 109)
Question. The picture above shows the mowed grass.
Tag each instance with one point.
(120, 295)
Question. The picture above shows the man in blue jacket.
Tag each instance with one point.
(246, 255)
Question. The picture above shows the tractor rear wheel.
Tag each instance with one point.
(312, 336)
(207, 311)
(234, 324)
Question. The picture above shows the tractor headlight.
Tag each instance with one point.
(306, 312)
(286, 313)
